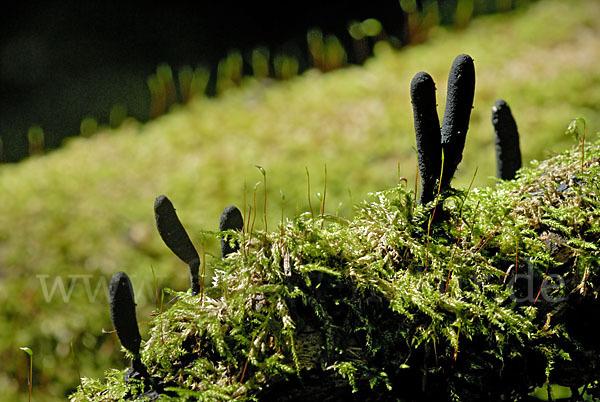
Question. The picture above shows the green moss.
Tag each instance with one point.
(375, 301)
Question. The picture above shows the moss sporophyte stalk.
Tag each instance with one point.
(485, 303)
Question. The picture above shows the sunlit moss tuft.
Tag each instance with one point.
(369, 307)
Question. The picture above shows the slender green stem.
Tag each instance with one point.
(264, 174)
(516, 257)
(282, 210)
(350, 195)
(76, 365)
(573, 129)
(416, 186)
(457, 337)
(324, 194)
(437, 197)
(30, 353)
(459, 229)
(244, 222)
(400, 180)
(312, 214)
(203, 271)
(254, 210)
(583, 147)
(467, 194)
(482, 243)
(159, 302)
(30, 377)
(265, 206)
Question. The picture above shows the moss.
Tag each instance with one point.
(372, 309)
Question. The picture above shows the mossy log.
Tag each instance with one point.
(500, 297)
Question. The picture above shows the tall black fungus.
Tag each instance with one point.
(508, 151)
(427, 131)
(122, 314)
(231, 219)
(459, 102)
(176, 238)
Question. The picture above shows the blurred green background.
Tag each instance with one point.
(65, 61)
(76, 215)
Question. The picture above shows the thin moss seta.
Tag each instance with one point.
(437, 198)
(264, 174)
(312, 214)
(324, 196)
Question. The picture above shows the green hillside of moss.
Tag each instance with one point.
(84, 212)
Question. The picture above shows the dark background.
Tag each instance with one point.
(63, 61)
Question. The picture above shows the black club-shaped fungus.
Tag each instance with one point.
(508, 151)
(176, 238)
(231, 219)
(427, 131)
(459, 102)
(122, 312)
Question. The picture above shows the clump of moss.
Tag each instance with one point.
(379, 308)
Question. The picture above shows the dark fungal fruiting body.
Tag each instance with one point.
(231, 219)
(171, 230)
(176, 238)
(427, 131)
(508, 151)
(459, 102)
(122, 314)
